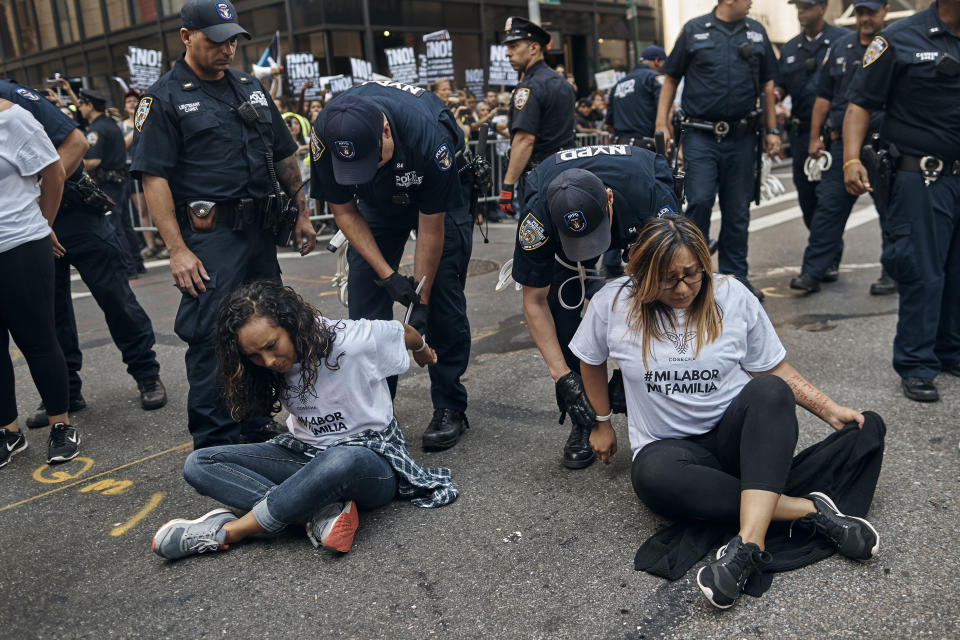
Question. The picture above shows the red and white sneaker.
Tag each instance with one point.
(334, 526)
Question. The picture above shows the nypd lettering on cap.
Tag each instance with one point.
(29, 95)
(224, 10)
(575, 221)
(531, 234)
(345, 149)
(443, 157)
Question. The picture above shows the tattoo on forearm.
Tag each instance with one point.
(288, 173)
(807, 395)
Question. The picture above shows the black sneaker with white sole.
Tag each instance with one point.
(11, 443)
(853, 537)
(64, 443)
(722, 580)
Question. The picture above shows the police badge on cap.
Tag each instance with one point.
(217, 19)
(518, 28)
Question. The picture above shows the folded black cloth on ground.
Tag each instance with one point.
(845, 465)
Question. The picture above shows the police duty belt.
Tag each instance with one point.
(930, 167)
(722, 128)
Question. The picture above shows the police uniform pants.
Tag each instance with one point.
(726, 168)
(448, 330)
(806, 190)
(230, 258)
(924, 258)
(92, 248)
(123, 227)
(834, 204)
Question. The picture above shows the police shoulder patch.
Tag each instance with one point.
(874, 51)
(443, 157)
(143, 110)
(531, 234)
(520, 98)
(316, 146)
(29, 95)
(93, 137)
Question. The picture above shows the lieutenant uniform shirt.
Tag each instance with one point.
(922, 116)
(642, 188)
(718, 80)
(190, 133)
(835, 76)
(543, 104)
(632, 111)
(423, 169)
(106, 143)
(800, 58)
(55, 124)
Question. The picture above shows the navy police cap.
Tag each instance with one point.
(217, 19)
(653, 52)
(577, 201)
(870, 4)
(807, 1)
(519, 28)
(353, 129)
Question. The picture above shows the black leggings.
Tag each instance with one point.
(26, 313)
(701, 477)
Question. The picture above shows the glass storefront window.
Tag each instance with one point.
(345, 11)
(7, 39)
(28, 30)
(171, 7)
(612, 54)
(46, 24)
(264, 22)
(92, 18)
(313, 43)
(67, 15)
(118, 14)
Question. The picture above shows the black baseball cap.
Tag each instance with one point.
(519, 28)
(873, 5)
(577, 201)
(808, 1)
(217, 19)
(653, 52)
(353, 131)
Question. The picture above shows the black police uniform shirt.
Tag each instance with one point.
(633, 103)
(800, 58)
(835, 76)
(642, 188)
(906, 68)
(720, 82)
(421, 177)
(56, 125)
(190, 133)
(543, 104)
(106, 143)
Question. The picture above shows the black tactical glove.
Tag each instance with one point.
(573, 400)
(418, 318)
(400, 289)
(618, 397)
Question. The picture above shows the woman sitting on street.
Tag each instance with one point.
(710, 403)
(344, 449)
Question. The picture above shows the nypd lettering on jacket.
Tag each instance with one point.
(416, 91)
(596, 150)
(319, 425)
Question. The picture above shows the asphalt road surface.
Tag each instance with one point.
(530, 550)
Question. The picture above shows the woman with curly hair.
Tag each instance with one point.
(344, 449)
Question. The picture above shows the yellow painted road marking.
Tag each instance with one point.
(179, 447)
(108, 487)
(57, 474)
(152, 503)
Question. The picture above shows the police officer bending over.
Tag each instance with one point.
(213, 154)
(541, 111)
(632, 112)
(729, 68)
(578, 204)
(397, 149)
(913, 68)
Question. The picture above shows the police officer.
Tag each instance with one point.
(213, 154)
(106, 162)
(729, 67)
(834, 204)
(632, 112)
(92, 248)
(800, 57)
(578, 204)
(541, 110)
(397, 150)
(913, 68)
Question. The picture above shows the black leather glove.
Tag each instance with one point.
(618, 397)
(573, 400)
(418, 318)
(400, 289)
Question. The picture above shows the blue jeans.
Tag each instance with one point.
(282, 486)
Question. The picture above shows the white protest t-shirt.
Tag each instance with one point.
(679, 395)
(355, 397)
(25, 150)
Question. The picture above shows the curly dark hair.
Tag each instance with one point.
(250, 390)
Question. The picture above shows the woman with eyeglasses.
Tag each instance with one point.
(710, 403)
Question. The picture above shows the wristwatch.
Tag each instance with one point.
(774, 131)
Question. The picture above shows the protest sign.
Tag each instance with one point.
(608, 78)
(339, 84)
(439, 56)
(402, 62)
(145, 66)
(362, 70)
(501, 73)
(473, 80)
(299, 68)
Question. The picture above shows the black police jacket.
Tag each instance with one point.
(835, 76)
(799, 60)
(633, 103)
(106, 144)
(543, 104)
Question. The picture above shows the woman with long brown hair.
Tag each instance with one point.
(710, 403)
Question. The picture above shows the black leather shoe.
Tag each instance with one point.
(884, 286)
(152, 394)
(577, 453)
(920, 389)
(805, 282)
(262, 433)
(832, 274)
(754, 290)
(39, 418)
(444, 429)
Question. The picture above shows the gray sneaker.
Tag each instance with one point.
(182, 538)
(334, 526)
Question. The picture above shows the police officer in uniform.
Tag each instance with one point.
(578, 204)
(213, 154)
(541, 118)
(912, 69)
(92, 248)
(800, 57)
(632, 112)
(387, 157)
(729, 68)
(834, 204)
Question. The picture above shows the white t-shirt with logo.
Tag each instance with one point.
(355, 397)
(678, 395)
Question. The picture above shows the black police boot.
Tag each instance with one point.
(152, 394)
(920, 389)
(577, 453)
(39, 418)
(444, 429)
(759, 294)
(805, 282)
(832, 274)
(262, 433)
(884, 286)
